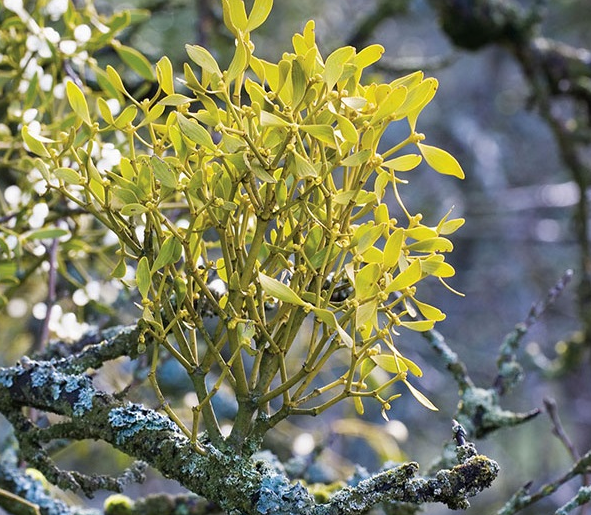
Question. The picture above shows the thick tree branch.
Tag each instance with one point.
(232, 482)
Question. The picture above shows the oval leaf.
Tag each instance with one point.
(143, 277)
(441, 161)
(78, 102)
(279, 290)
(170, 252)
(407, 278)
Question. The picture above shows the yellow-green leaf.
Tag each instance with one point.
(239, 62)
(367, 312)
(133, 209)
(126, 117)
(368, 56)
(163, 173)
(450, 226)
(420, 397)
(419, 96)
(324, 133)
(143, 277)
(432, 245)
(441, 161)
(403, 163)
(347, 129)
(170, 252)
(135, 60)
(303, 168)
(335, 62)
(418, 325)
(358, 405)
(390, 104)
(175, 99)
(356, 159)
(259, 13)
(392, 248)
(406, 278)
(33, 143)
(279, 290)
(195, 132)
(78, 102)
(165, 75)
(428, 311)
(329, 319)
(203, 58)
(272, 120)
(389, 363)
(234, 15)
(68, 175)
(105, 111)
(115, 79)
(47, 233)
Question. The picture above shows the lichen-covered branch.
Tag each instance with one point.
(234, 483)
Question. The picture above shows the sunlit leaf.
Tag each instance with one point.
(272, 120)
(203, 58)
(195, 132)
(143, 277)
(403, 163)
(428, 311)
(303, 168)
(170, 252)
(77, 102)
(329, 319)
(420, 397)
(333, 68)
(68, 175)
(450, 226)
(356, 159)
(441, 161)
(389, 363)
(406, 278)
(115, 79)
(324, 133)
(133, 209)
(389, 105)
(358, 405)
(435, 265)
(136, 61)
(432, 245)
(259, 13)
(234, 15)
(281, 291)
(105, 111)
(392, 248)
(367, 313)
(239, 62)
(32, 141)
(418, 325)
(165, 75)
(368, 56)
(163, 173)
(175, 99)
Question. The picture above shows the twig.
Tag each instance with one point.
(510, 371)
(558, 430)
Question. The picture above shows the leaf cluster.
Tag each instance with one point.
(269, 180)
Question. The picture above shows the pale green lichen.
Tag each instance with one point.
(133, 418)
(279, 497)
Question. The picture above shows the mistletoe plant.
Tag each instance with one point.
(257, 194)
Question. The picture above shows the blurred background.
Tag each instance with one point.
(519, 200)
